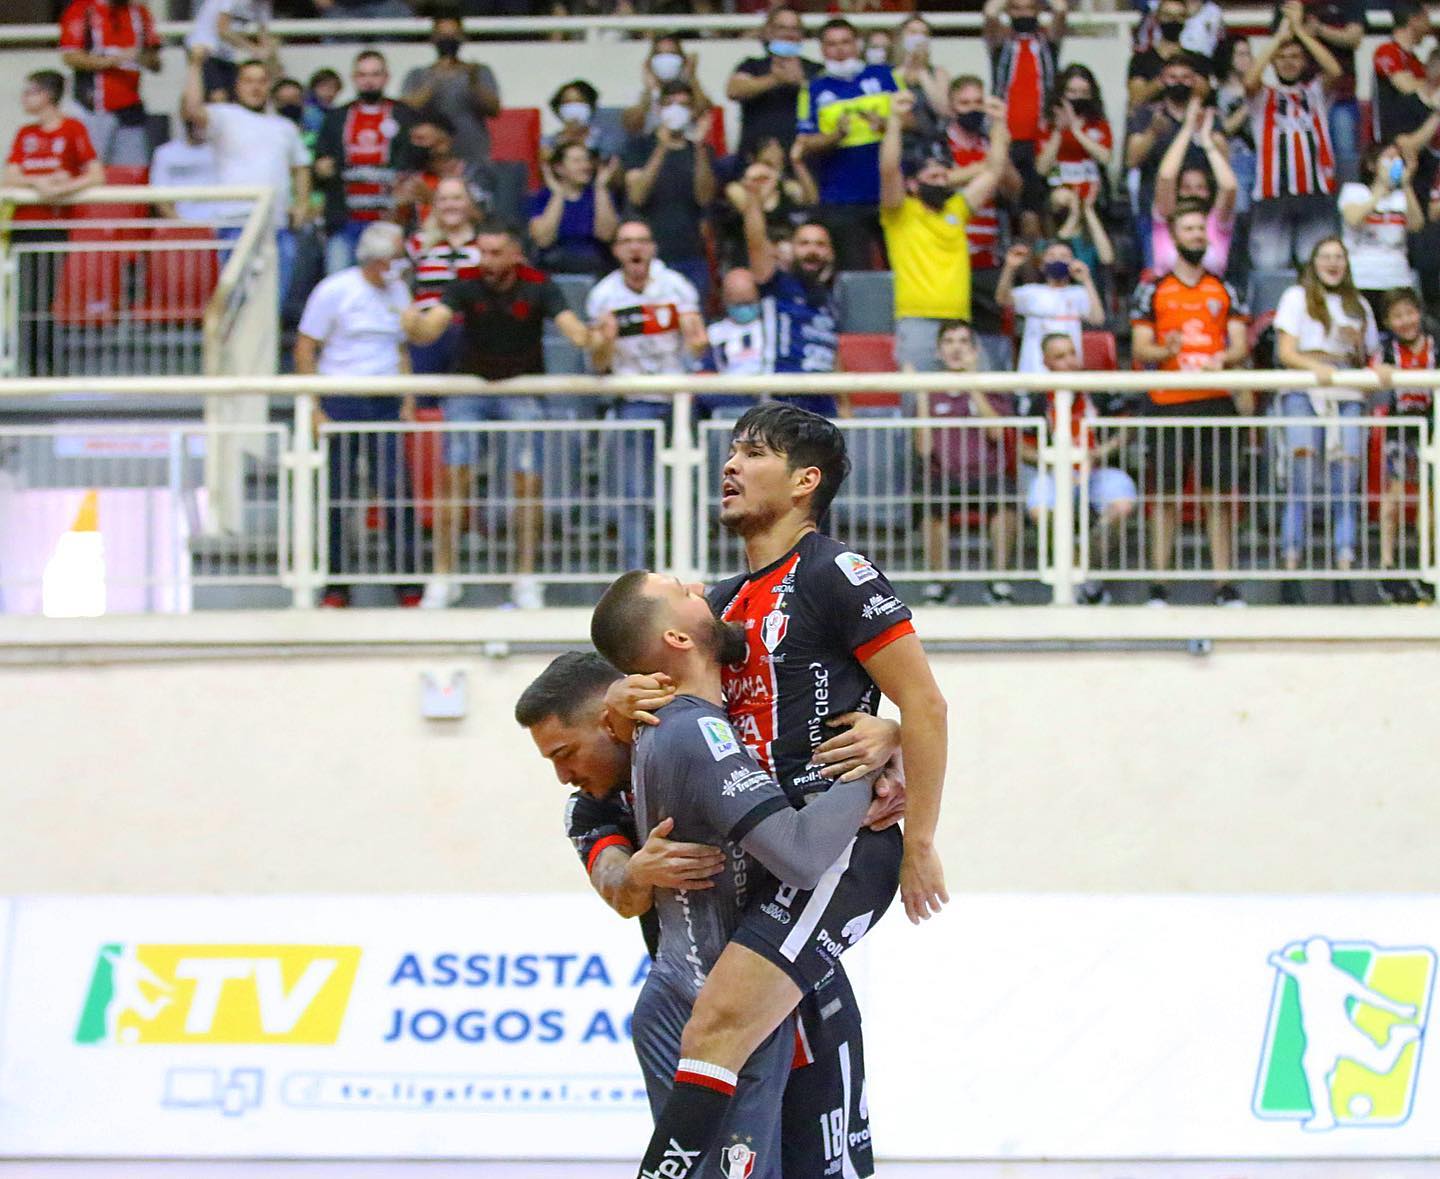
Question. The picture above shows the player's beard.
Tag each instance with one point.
(725, 642)
(744, 524)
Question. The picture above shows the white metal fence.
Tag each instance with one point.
(1055, 499)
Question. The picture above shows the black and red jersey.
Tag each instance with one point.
(122, 30)
(1419, 355)
(358, 137)
(811, 620)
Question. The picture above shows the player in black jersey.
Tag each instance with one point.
(824, 1112)
(824, 634)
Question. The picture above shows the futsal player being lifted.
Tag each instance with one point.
(825, 635)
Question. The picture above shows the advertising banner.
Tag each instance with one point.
(497, 1027)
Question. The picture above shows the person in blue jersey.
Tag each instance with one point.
(840, 118)
(797, 313)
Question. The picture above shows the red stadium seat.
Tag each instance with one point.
(515, 137)
(89, 288)
(717, 131)
(1098, 352)
(869, 352)
(179, 282)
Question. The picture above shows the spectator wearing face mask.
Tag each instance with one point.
(1023, 57)
(576, 104)
(465, 92)
(767, 87)
(667, 66)
(1077, 223)
(320, 94)
(786, 195)
(842, 117)
(929, 82)
(1151, 130)
(1144, 83)
(1378, 213)
(1213, 187)
(1063, 301)
(424, 156)
(1295, 178)
(924, 218)
(670, 182)
(737, 343)
(1078, 141)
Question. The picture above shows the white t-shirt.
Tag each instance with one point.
(182, 164)
(1377, 245)
(1048, 310)
(739, 349)
(650, 340)
(255, 149)
(247, 17)
(357, 324)
(1350, 341)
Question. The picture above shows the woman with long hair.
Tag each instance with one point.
(442, 252)
(1076, 141)
(1378, 214)
(1323, 325)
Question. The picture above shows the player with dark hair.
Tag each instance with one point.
(825, 635)
(564, 711)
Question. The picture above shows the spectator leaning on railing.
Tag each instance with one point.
(353, 157)
(255, 148)
(351, 327)
(107, 43)
(924, 218)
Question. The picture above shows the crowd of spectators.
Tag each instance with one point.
(1008, 206)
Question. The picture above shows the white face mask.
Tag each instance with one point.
(845, 68)
(667, 66)
(675, 116)
(876, 55)
(915, 42)
(575, 112)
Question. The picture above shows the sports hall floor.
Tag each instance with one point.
(1356, 1169)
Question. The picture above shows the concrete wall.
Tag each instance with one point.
(1267, 766)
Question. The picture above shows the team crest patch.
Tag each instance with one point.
(739, 1161)
(719, 736)
(856, 568)
(772, 630)
(1212, 306)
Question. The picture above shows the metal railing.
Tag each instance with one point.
(1345, 493)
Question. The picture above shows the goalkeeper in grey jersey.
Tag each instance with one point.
(693, 769)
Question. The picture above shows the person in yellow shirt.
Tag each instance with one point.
(924, 218)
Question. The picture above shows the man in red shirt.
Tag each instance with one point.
(1403, 96)
(107, 43)
(1023, 63)
(52, 155)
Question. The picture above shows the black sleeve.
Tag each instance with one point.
(552, 299)
(860, 603)
(593, 824)
(458, 296)
(331, 140)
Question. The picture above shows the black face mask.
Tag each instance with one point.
(370, 97)
(1191, 255)
(292, 111)
(971, 121)
(934, 195)
(423, 158)
(448, 46)
(1085, 108)
(1170, 30)
(1177, 94)
(1025, 24)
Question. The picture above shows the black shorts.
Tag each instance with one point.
(826, 1114)
(1213, 455)
(804, 933)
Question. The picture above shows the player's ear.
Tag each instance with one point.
(805, 480)
(677, 640)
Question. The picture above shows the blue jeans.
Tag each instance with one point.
(1341, 480)
(284, 256)
(1345, 138)
(634, 460)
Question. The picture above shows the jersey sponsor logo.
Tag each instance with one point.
(879, 605)
(743, 781)
(856, 927)
(1345, 1035)
(738, 1160)
(856, 568)
(771, 909)
(217, 994)
(773, 629)
(650, 319)
(719, 736)
(677, 1163)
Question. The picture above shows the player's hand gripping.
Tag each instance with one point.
(888, 806)
(922, 882)
(866, 744)
(634, 701)
(667, 863)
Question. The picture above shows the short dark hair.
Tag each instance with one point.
(275, 85)
(676, 86)
(949, 325)
(50, 81)
(499, 227)
(571, 681)
(620, 626)
(964, 81)
(366, 53)
(435, 118)
(1048, 336)
(838, 22)
(1403, 11)
(592, 96)
(1392, 298)
(325, 75)
(806, 440)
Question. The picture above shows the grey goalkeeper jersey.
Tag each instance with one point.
(693, 768)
